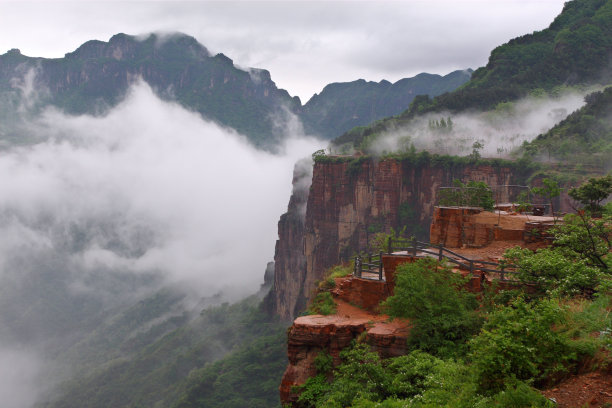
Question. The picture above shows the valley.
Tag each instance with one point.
(150, 180)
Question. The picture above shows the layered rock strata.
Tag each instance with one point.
(459, 227)
(311, 335)
(348, 203)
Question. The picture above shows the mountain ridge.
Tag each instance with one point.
(576, 49)
(344, 105)
(95, 77)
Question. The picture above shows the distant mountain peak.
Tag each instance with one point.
(122, 45)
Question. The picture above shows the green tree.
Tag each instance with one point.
(593, 192)
(584, 238)
(472, 194)
(518, 343)
(553, 273)
(476, 148)
(577, 264)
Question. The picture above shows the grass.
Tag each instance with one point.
(322, 304)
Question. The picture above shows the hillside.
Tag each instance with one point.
(342, 106)
(584, 137)
(159, 366)
(575, 50)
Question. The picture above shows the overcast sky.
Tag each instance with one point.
(305, 45)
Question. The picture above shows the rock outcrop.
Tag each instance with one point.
(351, 200)
(311, 335)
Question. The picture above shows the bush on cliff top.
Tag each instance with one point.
(414, 380)
(443, 313)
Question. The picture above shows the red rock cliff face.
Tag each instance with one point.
(289, 259)
(346, 205)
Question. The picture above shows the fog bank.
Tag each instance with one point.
(500, 131)
(96, 212)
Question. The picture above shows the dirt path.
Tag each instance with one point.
(585, 390)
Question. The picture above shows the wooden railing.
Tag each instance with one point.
(372, 264)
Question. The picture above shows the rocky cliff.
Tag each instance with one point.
(349, 201)
(311, 335)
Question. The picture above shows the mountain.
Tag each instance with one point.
(342, 106)
(576, 49)
(96, 77)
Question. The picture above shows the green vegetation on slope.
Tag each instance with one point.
(248, 377)
(575, 49)
(342, 106)
(178, 365)
(585, 136)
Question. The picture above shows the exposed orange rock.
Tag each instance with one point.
(311, 335)
(460, 227)
(363, 293)
(345, 205)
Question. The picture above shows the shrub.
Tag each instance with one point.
(593, 192)
(518, 343)
(519, 395)
(334, 272)
(363, 378)
(361, 375)
(553, 273)
(584, 238)
(472, 194)
(434, 299)
(323, 362)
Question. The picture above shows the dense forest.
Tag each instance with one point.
(585, 136)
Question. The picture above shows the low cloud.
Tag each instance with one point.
(20, 374)
(100, 211)
(500, 131)
(153, 188)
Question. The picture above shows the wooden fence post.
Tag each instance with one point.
(471, 268)
(358, 266)
(440, 252)
(414, 246)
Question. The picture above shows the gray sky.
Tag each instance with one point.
(305, 45)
